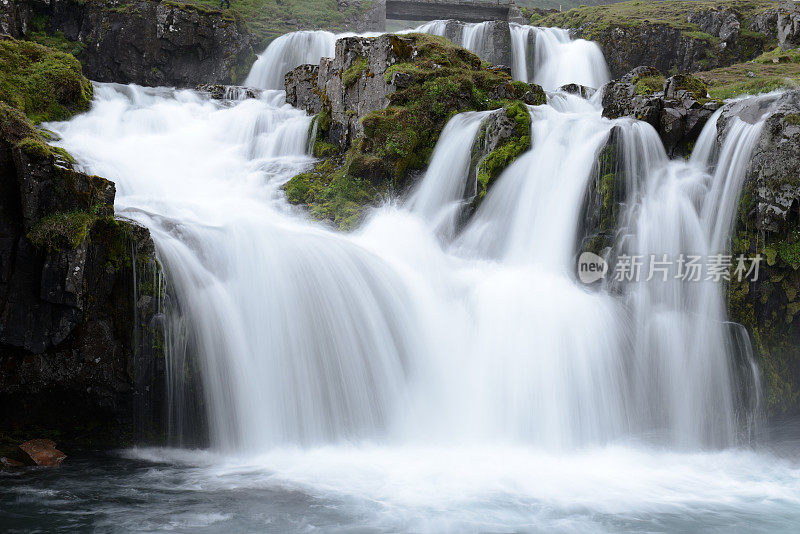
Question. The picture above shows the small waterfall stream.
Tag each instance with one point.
(454, 363)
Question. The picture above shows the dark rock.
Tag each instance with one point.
(580, 90)
(151, 42)
(302, 88)
(789, 24)
(75, 356)
(722, 23)
(767, 223)
(41, 452)
(766, 24)
(10, 464)
(228, 92)
(677, 107)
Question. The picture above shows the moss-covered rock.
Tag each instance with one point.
(380, 127)
(768, 223)
(44, 83)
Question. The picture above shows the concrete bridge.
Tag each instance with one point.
(464, 10)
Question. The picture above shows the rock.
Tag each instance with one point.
(151, 42)
(677, 107)
(767, 224)
(302, 88)
(68, 309)
(9, 464)
(766, 24)
(789, 24)
(580, 90)
(719, 22)
(41, 452)
(228, 92)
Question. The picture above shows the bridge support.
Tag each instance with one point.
(463, 10)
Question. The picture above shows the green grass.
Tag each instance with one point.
(44, 83)
(670, 13)
(761, 75)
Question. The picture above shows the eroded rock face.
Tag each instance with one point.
(70, 324)
(152, 42)
(789, 24)
(676, 107)
(768, 223)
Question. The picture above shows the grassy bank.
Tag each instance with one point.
(768, 72)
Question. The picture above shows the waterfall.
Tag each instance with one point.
(439, 199)
(546, 56)
(412, 326)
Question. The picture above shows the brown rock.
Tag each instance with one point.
(42, 452)
(8, 463)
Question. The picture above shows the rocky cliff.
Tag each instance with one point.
(768, 223)
(78, 333)
(674, 36)
(789, 24)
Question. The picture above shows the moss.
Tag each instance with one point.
(504, 155)
(355, 71)
(647, 85)
(399, 140)
(792, 118)
(44, 83)
(60, 231)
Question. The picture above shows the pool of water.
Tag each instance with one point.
(415, 488)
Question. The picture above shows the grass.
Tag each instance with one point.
(768, 72)
(670, 13)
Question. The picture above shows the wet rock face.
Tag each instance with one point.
(789, 24)
(151, 42)
(676, 107)
(768, 223)
(68, 316)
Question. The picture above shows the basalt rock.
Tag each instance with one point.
(677, 107)
(789, 24)
(768, 223)
(228, 92)
(149, 42)
(77, 352)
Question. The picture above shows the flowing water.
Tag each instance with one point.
(418, 374)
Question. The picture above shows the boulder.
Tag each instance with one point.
(41, 452)
(789, 24)
(228, 92)
(580, 90)
(677, 107)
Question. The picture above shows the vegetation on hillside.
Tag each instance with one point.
(773, 70)
(635, 13)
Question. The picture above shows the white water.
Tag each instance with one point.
(432, 381)
(553, 61)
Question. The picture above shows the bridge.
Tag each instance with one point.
(464, 10)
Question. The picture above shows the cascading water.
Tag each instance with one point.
(546, 56)
(411, 377)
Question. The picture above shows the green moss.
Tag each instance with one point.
(792, 118)
(504, 155)
(60, 231)
(355, 71)
(44, 83)
(647, 85)
(324, 149)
